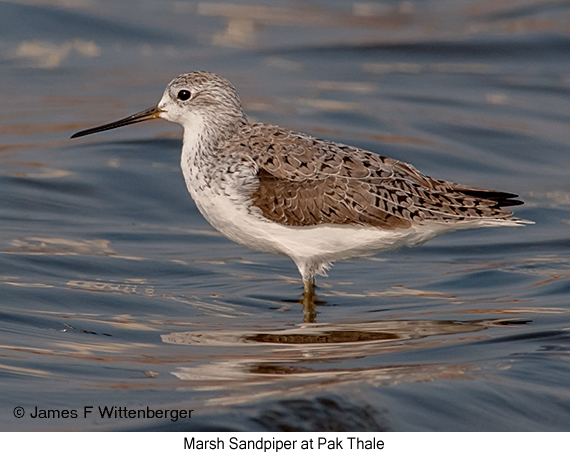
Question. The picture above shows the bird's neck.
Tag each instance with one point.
(203, 137)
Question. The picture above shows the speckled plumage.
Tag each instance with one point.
(305, 181)
(313, 200)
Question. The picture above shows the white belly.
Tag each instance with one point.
(232, 216)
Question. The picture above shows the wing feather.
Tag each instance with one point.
(304, 181)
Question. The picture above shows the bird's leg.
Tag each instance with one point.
(308, 286)
(309, 298)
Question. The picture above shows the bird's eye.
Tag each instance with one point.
(184, 94)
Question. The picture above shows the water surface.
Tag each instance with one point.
(116, 292)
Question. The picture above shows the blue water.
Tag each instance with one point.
(114, 290)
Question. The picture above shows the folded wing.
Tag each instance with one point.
(304, 181)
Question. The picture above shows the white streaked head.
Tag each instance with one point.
(199, 96)
(203, 94)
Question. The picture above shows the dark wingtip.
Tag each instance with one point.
(502, 199)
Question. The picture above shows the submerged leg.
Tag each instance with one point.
(308, 300)
(309, 286)
(308, 270)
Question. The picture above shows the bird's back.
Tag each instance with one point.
(306, 181)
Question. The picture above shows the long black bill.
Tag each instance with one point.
(151, 113)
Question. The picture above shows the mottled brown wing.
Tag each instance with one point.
(305, 181)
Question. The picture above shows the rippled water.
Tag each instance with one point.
(115, 291)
